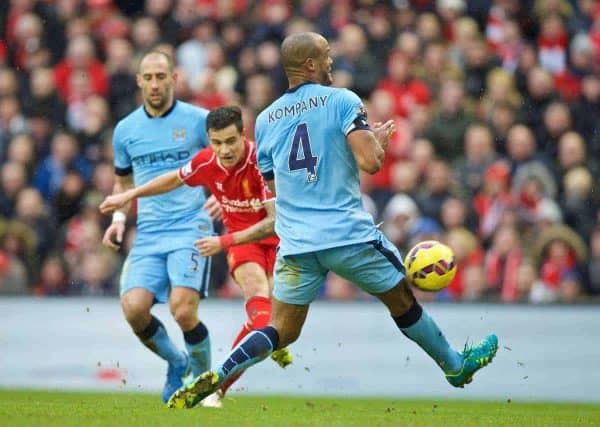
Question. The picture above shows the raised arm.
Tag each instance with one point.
(159, 185)
(368, 146)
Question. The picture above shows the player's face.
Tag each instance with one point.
(228, 145)
(323, 63)
(156, 81)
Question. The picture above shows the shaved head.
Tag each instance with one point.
(297, 48)
(306, 56)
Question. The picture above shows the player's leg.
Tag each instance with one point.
(254, 284)
(189, 275)
(297, 282)
(247, 266)
(377, 268)
(143, 281)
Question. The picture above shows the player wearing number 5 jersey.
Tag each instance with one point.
(312, 142)
(228, 168)
(163, 264)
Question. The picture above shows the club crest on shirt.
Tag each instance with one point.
(219, 186)
(246, 189)
(179, 135)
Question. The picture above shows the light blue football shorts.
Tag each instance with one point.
(158, 272)
(374, 266)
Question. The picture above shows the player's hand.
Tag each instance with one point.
(113, 236)
(383, 132)
(214, 208)
(114, 202)
(209, 246)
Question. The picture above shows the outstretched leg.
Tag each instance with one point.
(286, 324)
(416, 324)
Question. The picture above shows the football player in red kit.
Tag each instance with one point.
(228, 168)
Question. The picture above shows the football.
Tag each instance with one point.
(430, 265)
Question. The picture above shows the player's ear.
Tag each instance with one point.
(138, 80)
(174, 76)
(310, 64)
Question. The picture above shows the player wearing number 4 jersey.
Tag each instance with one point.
(312, 142)
(228, 168)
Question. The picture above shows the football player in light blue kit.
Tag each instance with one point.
(163, 265)
(312, 142)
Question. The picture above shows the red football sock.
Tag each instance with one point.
(258, 310)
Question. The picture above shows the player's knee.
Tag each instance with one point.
(185, 315)
(399, 299)
(288, 336)
(254, 283)
(136, 313)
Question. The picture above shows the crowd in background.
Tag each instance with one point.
(496, 104)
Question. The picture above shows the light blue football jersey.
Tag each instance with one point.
(301, 142)
(150, 146)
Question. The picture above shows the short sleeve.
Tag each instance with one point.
(122, 161)
(200, 127)
(265, 193)
(194, 172)
(264, 159)
(351, 112)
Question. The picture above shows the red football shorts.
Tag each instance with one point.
(263, 255)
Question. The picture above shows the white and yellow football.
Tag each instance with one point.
(430, 265)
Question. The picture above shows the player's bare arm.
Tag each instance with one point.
(113, 236)
(368, 146)
(209, 246)
(159, 185)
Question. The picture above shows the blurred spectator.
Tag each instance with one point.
(579, 202)
(13, 179)
(121, 79)
(448, 126)
(557, 121)
(80, 60)
(468, 256)
(494, 200)
(399, 82)
(43, 99)
(54, 277)
(21, 149)
(479, 154)
(353, 57)
(559, 252)
(436, 189)
(64, 154)
(19, 242)
(191, 54)
(502, 263)
(400, 217)
(31, 211)
(592, 265)
(540, 93)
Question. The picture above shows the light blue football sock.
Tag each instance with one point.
(197, 343)
(257, 346)
(417, 325)
(156, 338)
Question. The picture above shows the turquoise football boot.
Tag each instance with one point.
(474, 358)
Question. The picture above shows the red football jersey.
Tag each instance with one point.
(241, 190)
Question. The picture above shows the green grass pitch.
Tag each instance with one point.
(42, 409)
